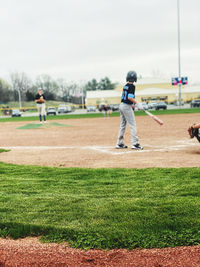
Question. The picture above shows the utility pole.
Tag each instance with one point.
(179, 54)
(82, 99)
(20, 100)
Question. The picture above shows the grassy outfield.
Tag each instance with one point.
(101, 208)
(100, 115)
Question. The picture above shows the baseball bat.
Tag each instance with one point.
(159, 121)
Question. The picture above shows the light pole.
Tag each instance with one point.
(20, 100)
(82, 99)
(179, 54)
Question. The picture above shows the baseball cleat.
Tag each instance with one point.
(137, 147)
(121, 146)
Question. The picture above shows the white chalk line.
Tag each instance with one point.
(38, 147)
(111, 150)
(181, 144)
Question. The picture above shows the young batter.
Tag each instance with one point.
(40, 101)
(127, 114)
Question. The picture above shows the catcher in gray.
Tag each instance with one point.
(127, 114)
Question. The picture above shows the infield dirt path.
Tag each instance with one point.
(30, 252)
(91, 143)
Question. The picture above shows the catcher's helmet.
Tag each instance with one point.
(131, 76)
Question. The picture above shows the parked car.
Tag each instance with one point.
(6, 110)
(152, 105)
(161, 105)
(195, 103)
(51, 111)
(64, 109)
(16, 113)
(145, 106)
(177, 103)
(91, 108)
(69, 109)
(115, 107)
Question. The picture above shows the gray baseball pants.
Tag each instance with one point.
(41, 109)
(127, 116)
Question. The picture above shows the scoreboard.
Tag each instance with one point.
(177, 81)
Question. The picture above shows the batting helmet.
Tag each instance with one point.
(131, 76)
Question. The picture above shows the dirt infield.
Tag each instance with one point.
(91, 143)
(30, 252)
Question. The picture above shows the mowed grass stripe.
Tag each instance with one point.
(100, 115)
(101, 208)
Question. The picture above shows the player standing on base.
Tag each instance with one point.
(40, 101)
(127, 114)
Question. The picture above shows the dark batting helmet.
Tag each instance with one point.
(131, 76)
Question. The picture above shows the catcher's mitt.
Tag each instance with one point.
(194, 132)
(41, 100)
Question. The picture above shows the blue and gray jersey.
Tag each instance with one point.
(128, 92)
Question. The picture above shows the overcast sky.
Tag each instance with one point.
(85, 39)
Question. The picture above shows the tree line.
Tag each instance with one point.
(21, 86)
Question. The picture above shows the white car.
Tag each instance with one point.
(152, 105)
(16, 113)
(64, 109)
(145, 106)
(91, 108)
(51, 111)
(69, 109)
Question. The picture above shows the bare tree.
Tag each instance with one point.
(21, 83)
(45, 82)
(62, 87)
(49, 86)
(5, 91)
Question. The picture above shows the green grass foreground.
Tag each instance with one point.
(101, 208)
(101, 115)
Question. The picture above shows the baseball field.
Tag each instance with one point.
(90, 143)
(65, 182)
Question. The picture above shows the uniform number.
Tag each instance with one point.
(124, 95)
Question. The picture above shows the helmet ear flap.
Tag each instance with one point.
(131, 76)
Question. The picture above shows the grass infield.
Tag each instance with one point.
(100, 115)
(101, 208)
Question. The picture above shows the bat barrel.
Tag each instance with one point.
(159, 121)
